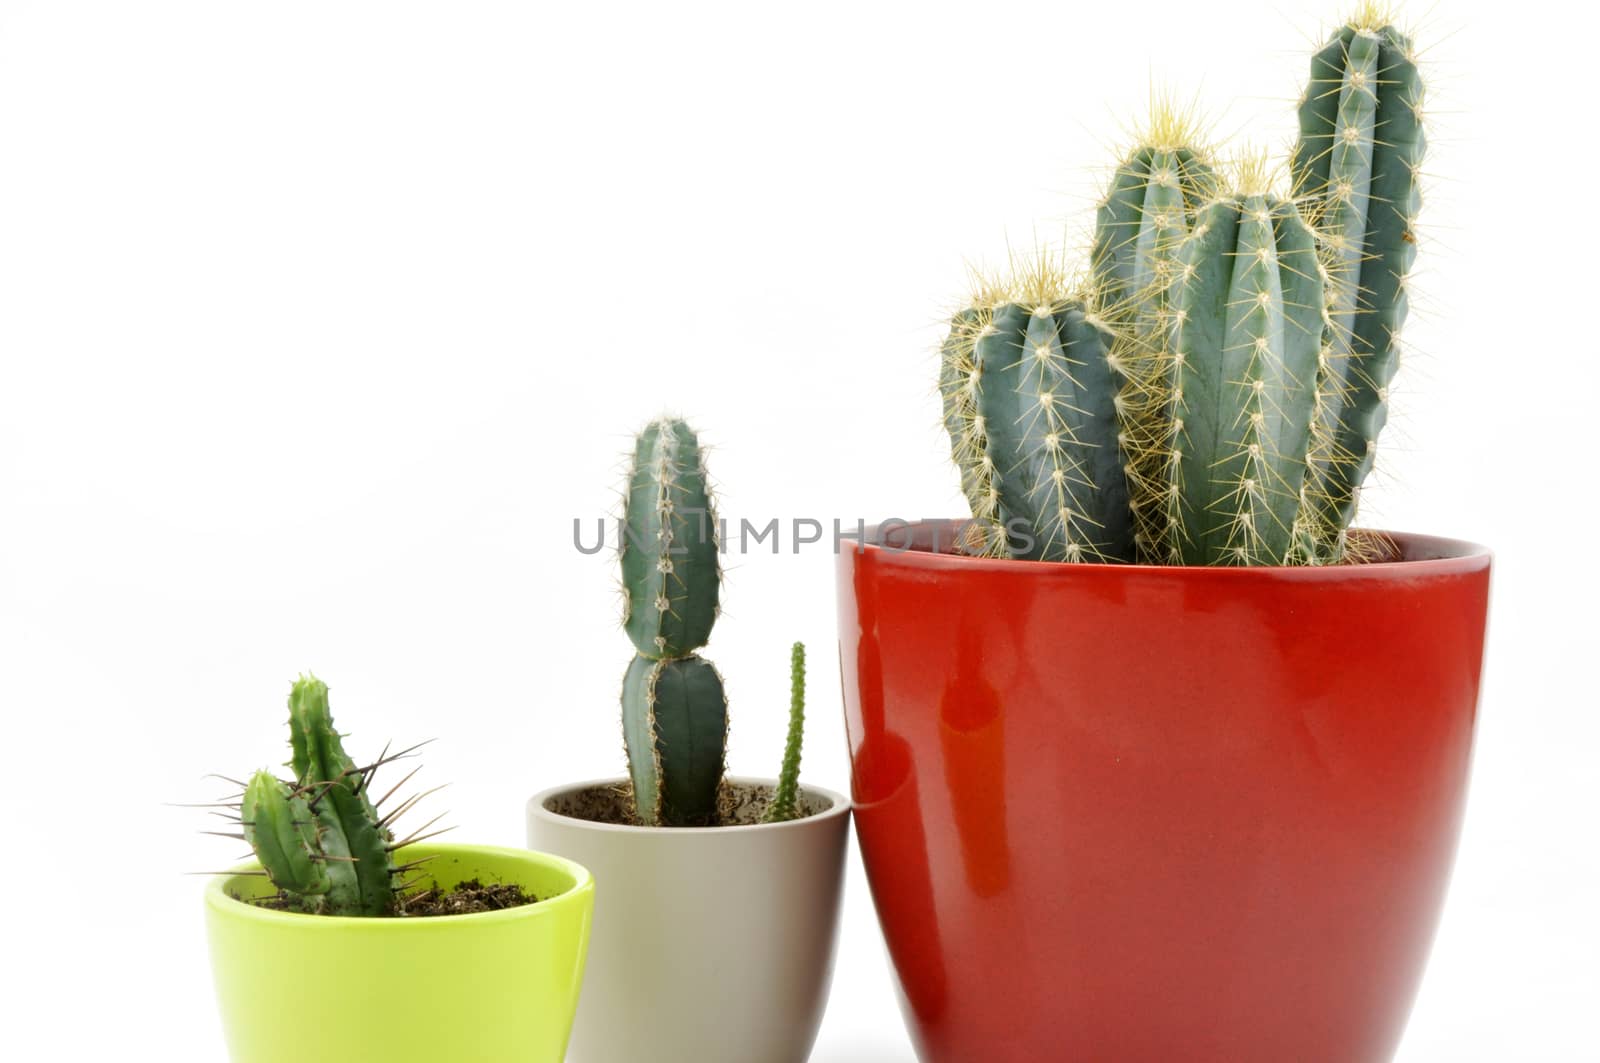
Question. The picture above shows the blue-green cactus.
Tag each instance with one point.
(1357, 171)
(1223, 406)
(675, 722)
(674, 711)
(1148, 210)
(671, 571)
(1246, 316)
(1030, 390)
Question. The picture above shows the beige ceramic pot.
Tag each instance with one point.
(710, 944)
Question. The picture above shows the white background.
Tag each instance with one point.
(320, 321)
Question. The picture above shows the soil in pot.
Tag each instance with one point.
(464, 898)
(739, 804)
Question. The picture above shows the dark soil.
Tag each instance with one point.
(466, 898)
(738, 804)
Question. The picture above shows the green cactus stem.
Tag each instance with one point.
(1357, 167)
(354, 843)
(1247, 319)
(785, 800)
(674, 711)
(320, 839)
(1148, 209)
(675, 723)
(282, 830)
(671, 572)
(1030, 393)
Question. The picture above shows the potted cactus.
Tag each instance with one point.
(719, 896)
(1153, 757)
(341, 942)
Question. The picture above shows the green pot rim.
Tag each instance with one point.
(224, 903)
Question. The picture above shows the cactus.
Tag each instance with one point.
(1148, 209)
(320, 838)
(1215, 395)
(671, 572)
(784, 806)
(1357, 168)
(1246, 318)
(1030, 391)
(675, 722)
(674, 711)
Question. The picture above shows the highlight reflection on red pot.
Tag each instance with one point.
(1222, 803)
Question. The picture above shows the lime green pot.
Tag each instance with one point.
(496, 987)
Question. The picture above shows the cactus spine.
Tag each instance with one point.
(1357, 166)
(784, 806)
(1030, 392)
(674, 711)
(320, 838)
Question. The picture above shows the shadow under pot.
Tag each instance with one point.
(710, 944)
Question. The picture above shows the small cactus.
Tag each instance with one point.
(1030, 391)
(674, 709)
(785, 800)
(320, 838)
(1148, 210)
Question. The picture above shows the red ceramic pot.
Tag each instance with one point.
(1129, 814)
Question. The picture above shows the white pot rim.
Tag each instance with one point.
(536, 807)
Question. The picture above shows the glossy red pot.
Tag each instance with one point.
(1127, 814)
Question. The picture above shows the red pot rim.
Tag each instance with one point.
(1420, 555)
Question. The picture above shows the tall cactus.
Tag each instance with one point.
(1148, 210)
(674, 711)
(1247, 316)
(1030, 393)
(1357, 168)
(320, 838)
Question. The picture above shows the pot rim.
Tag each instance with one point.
(221, 901)
(536, 807)
(1432, 556)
